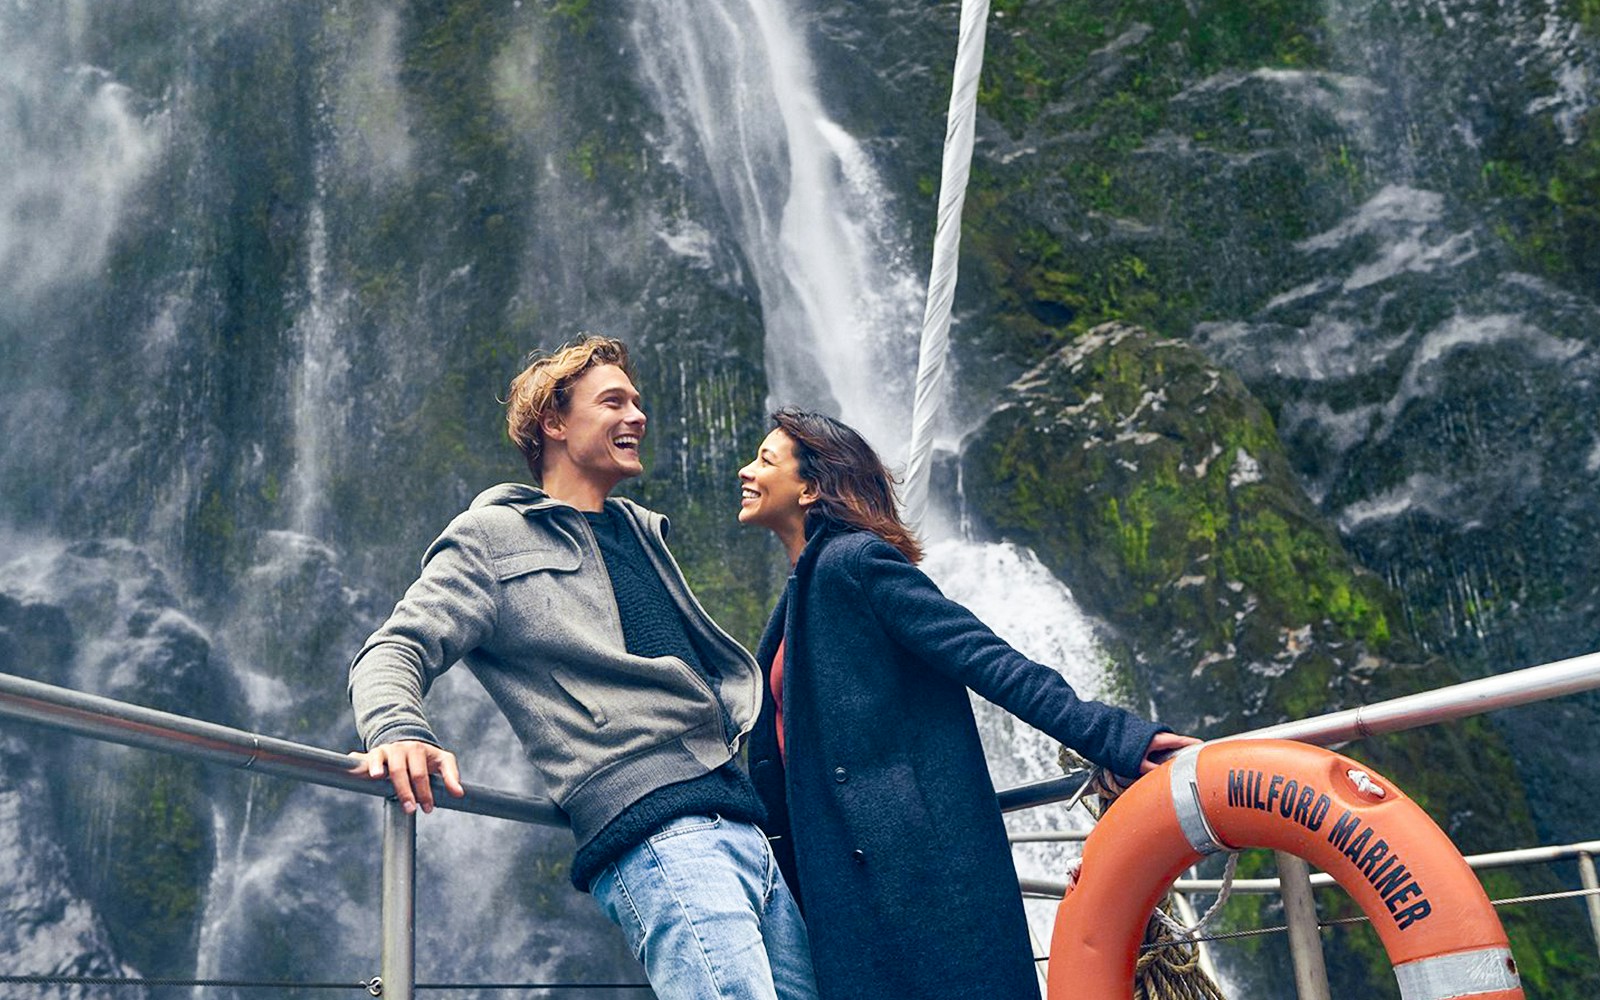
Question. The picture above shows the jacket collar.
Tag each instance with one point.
(818, 523)
(525, 500)
(819, 528)
(518, 496)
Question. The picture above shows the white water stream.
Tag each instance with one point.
(842, 303)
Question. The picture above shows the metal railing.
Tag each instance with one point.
(1320, 880)
(1521, 687)
(132, 725)
(1583, 853)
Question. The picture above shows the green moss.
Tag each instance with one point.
(1303, 692)
(1037, 49)
(1132, 532)
(578, 14)
(1586, 13)
(1544, 194)
(157, 858)
(583, 158)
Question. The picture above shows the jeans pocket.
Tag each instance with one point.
(684, 824)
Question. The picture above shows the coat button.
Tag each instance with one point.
(858, 856)
(841, 775)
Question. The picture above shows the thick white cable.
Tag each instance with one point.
(946, 245)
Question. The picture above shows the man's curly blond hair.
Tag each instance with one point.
(545, 386)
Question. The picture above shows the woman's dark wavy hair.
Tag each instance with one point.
(852, 483)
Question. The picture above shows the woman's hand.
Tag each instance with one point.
(1163, 746)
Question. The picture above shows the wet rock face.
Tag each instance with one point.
(1153, 483)
(45, 926)
(1438, 408)
(110, 867)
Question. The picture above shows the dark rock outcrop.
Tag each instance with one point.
(1153, 483)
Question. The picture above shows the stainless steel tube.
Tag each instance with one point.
(1519, 687)
(399, 969)
(1321, 880)
(133, 725)
(1590, 882)
(1305, 940)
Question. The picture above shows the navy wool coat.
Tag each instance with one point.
(883, 814)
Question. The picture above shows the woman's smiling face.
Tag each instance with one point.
(771, 492)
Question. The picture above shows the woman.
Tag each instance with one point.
(866, 753)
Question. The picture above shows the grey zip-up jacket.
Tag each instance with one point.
(516, 588)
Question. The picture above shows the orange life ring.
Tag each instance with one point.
(1439, 928)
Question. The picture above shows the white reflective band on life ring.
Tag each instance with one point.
(1462, 974)
(1186, 802)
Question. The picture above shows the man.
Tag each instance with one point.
(630, 701)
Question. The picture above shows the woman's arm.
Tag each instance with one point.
(946, 636)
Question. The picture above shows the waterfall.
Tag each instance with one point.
(262, 355)
(72, 149)
(735, 86)
(842, 303)
(262, 278)
(321, 391)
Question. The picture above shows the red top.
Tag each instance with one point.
(775, 681)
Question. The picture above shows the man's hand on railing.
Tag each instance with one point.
(408, 763)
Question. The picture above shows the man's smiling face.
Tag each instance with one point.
(602, 427)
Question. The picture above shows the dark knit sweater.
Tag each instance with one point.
(652, 626)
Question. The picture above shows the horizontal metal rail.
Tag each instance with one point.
(1518, 687)
(1322, 880)
(132, 725)
(1458, 701)
(120, 722)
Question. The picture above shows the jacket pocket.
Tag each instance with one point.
(544, 559)
(574, 690)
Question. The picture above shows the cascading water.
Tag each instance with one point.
(122, 213)
(263, 277)
(321, 388)
(733, 82)
(841, 304)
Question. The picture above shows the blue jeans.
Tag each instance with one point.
(704, 907)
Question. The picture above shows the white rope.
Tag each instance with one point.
(946, 243)
(1193, 933)
(1075, 866)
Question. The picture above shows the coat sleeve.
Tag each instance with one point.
(449, 610)
(947, 637)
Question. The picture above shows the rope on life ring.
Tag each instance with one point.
(1431, 913)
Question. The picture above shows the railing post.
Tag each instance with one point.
(1590, 882)
(399, 901)
(1305, 941)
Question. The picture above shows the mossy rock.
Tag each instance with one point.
(1153, 484)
